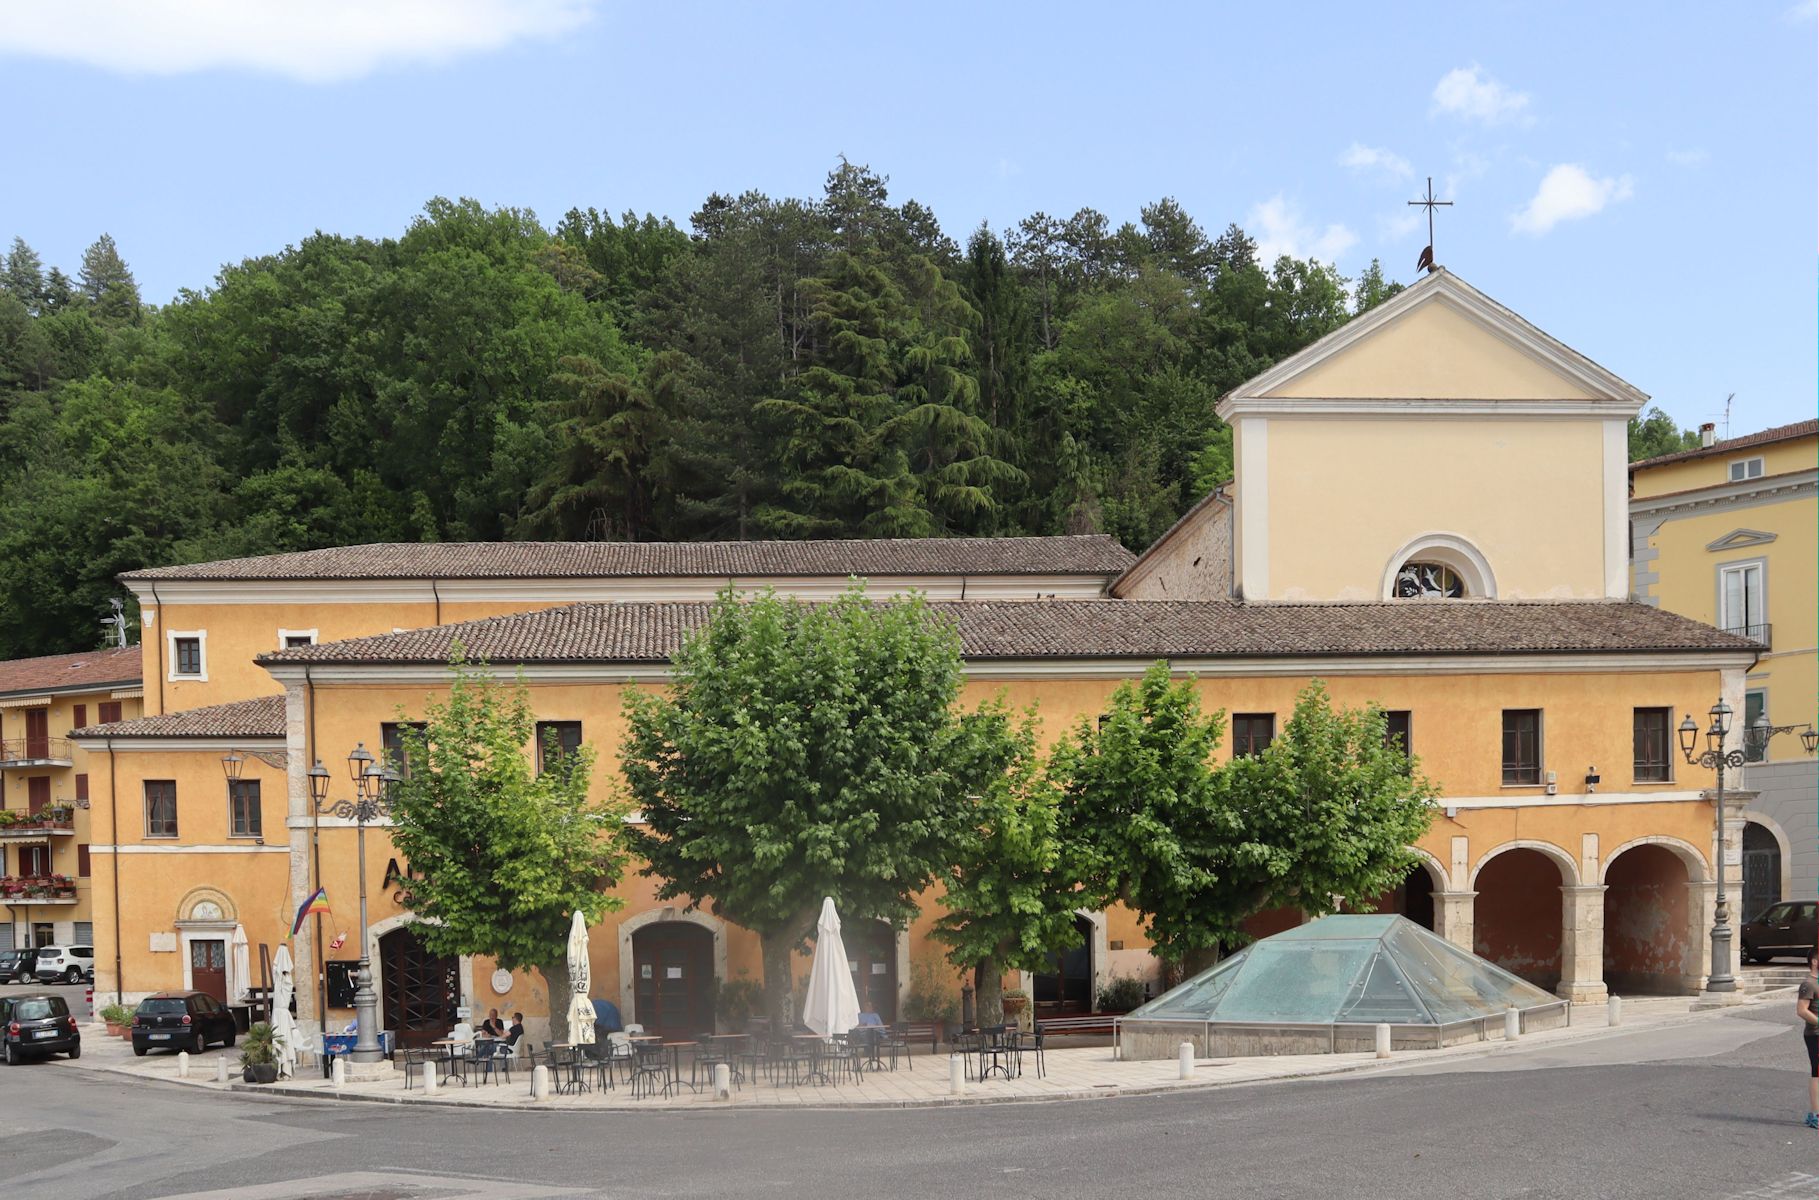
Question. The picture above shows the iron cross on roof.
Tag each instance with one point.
(1426, 261)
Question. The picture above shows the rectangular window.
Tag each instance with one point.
(37, 793)
(291, 639)
(82, 869)
(82, 786)
(392, 740)
(34, 861)
(1654, 736)
(1755, 704)
(110, 711)
(160, 808)
(1252, 733)
(244, 817)
(555, 741)
(187, 655)
(1742, 602)
(1398, 729)
(1746, 468)
(79, 717)
(1521, 747)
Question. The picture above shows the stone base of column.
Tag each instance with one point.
(1584, 993)
(1711, 1000)
(375, 1072)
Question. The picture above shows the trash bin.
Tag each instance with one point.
(243, 1016)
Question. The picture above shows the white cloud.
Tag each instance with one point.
(1695, 157)
(1567, 193)
(317, 41)
(1469, 93)
(1376, 160)
(1279, 229)
(1806, 10)
(1402, 225)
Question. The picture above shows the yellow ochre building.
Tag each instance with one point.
(1430, 512)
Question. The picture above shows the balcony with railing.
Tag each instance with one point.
(55, 820)
(1755, 633)
(37, 889)
(35, 752)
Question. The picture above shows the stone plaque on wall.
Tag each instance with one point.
(164, 943)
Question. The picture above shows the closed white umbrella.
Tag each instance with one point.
(833, 1004)
(580, 1008)
(284, 1027)
(243, 965)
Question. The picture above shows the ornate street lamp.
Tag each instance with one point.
(1756, 738)
(232, 763)
(372, 783)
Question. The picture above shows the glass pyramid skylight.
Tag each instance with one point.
(1344, 970)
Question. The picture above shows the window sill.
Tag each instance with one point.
(1520, 786)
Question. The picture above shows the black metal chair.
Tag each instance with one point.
(493, 1059)
(650, 1069)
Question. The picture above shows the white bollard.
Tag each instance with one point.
(429, 1079)
(723, 1082)
(338, 1072)
(1613, 1010)
(1383, 1041)
(1512, 1024)
(1184, 1058)
(540, 1083)
(221, 1069)
(956, 1075)
(183, 1064)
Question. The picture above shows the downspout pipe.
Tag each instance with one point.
(158, 646)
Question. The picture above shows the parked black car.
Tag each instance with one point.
(34, 1025)
(181, 1021)
(1783, 930)
(18, 966)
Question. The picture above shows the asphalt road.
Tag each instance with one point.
(1704, 1110)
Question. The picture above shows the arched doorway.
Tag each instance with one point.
(1412, 898)
(1519, 914)
(871, 953)
(1761, 870)
(419, 991)
(673, 979)
(1066, 984)
(1646, 922)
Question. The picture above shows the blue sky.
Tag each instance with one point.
(1639, 181)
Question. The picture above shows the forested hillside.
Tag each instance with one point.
(781, 368)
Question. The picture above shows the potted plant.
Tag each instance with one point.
(259, 1054)
(118, 1018)
(1017, 1008)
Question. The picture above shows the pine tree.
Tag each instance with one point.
(106, 282)
(23, 276)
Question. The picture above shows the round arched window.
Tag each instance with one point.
(1428, 581)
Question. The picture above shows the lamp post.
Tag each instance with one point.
(371, 784)
(1716, 757)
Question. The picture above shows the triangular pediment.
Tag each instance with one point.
(1438, 343)
(1741, 539)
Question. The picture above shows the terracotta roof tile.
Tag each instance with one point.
(117, 666)
(1143, 629)
(1780, 433)
(262, 717)
(1088, 554)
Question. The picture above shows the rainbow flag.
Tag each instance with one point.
(317, 903)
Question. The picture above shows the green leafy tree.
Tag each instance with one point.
(1010, 889)
(1328, 811)
(1654, 433)
(802, 751)
(501, 854)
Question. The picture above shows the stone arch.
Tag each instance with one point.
(1466, 560)
(1686, 852)
(628, 986)
(1569, 869)
(1772, 827)
(1436, 870)
(195, 906)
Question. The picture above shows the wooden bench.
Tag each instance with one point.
(913, 1032)
(1087, 1024)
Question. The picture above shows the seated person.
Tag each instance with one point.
(516, 1031)
(493, 1026)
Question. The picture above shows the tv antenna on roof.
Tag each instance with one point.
(1426, 261)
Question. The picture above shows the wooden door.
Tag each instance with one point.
(673, 974)
(37, 793)
(419, 992)
(37, 733)
(1067, 985)
(208, 967)
(871, 952)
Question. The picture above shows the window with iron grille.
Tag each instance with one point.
(1252, 733)
(244, 816)
(1654, 736)
(1521, 747)
(160, 808)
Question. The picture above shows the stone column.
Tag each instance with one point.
(1582, 943)
(1453, 912)
(297, 818)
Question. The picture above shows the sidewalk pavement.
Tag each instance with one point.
(1072, 1074)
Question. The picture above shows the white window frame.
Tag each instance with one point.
(1725, 621)
(171, 674)
(1745, 474)
(285, 635)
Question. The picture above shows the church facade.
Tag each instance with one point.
(1429, 514)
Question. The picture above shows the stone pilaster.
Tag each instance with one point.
(298, 812)
(1453, 914)
(1582, 943)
